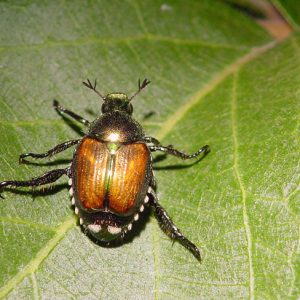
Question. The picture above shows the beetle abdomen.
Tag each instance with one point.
(110, 176)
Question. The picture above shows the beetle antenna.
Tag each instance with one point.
(89, 85)
(141, 86)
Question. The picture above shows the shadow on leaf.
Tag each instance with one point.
(39, 191)
(48, 163)
(177, 166)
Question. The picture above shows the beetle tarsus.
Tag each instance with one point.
(169, 227)
(22, 160)
(61, 110)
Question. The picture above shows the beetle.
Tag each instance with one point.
(111, 176)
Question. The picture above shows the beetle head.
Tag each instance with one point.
(117, 102)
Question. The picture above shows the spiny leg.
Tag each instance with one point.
(49, 153)
(46, 178)
(170, 150)
(169, 227)
(61, 110)
(152, 140)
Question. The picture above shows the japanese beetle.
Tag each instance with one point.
(111, 177)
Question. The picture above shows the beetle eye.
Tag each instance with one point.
(129, 108)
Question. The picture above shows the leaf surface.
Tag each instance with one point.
(218, 79)
(290, 9)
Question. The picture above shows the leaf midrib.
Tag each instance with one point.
(237, 175)
(170, 123)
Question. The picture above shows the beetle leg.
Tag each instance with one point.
(169, 227)
(49, 153)
(153, 182)
(46, 178)
(152, 140)
(170, 150)
(61, 110)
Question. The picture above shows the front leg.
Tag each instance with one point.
(61, 110)
(46, 178)
(169, 227)
(49, 153)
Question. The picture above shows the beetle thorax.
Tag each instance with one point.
(117, 127)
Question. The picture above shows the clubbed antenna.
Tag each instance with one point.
(89, 85)
(141, 86)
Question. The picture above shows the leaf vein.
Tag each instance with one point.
(27, 223)
(33, 265)
(108, 41)
(34, 286)
(241, 185)
(169, 124)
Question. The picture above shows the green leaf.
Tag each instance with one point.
(290, 9)
(218, 79)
